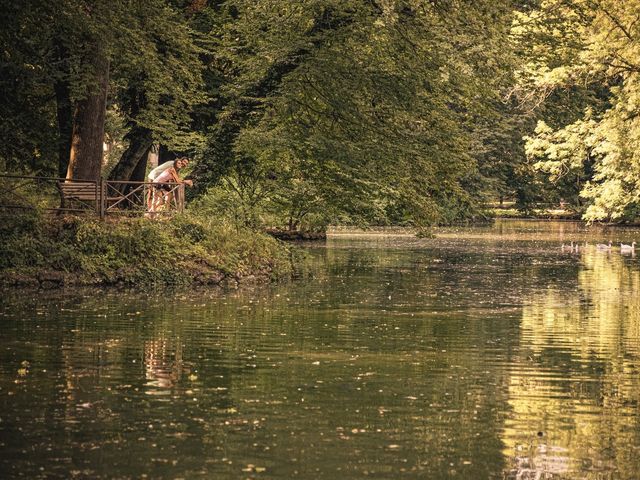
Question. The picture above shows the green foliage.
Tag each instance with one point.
(157, 65)
(28, 139)
(565, 155)
(47, 48)
(141, 252)
(357, 111)
(306, 113)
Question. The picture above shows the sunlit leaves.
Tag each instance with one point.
(602, 144)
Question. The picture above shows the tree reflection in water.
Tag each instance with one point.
(580, 349)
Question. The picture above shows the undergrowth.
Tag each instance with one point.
(181, 250)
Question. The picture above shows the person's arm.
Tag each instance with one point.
(174, 175)
(179, 180)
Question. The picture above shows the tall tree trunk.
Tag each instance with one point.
(133, 162)
(64, 110)
(85, 159)
(140, 138)
(140, 142)
(139, 173)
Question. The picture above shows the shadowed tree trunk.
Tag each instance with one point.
(64, 110)
(132, 165)
(140, 138)
(133, 162)
(140, 142)
(139, 173)
(85, 159)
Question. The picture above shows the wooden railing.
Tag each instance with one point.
(103, 197)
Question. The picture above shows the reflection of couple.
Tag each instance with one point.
(162, 371)
(162, 177)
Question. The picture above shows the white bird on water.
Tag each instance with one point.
(604, 246)
(628, 248)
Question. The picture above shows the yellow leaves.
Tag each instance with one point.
(542, 128)
(556, 76)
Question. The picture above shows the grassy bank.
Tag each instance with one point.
(538, 214)
(46, 252)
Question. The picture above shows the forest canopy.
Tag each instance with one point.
(310, 112)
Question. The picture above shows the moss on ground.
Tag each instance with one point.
(183, 250)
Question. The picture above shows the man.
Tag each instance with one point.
(153, 174)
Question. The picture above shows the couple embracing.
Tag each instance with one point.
(164, 177)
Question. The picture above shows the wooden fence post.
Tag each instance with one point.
(102, 197)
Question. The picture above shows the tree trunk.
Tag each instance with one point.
(139, 173)
(64, 110)
(132, 165)
(85, 160)
(140, 142)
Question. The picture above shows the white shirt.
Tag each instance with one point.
(159, 169)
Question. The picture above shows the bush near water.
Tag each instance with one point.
(187, 249)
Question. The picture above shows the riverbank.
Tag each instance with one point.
(45, 252)
(511, 212)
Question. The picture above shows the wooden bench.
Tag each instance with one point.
(88, 195)
(84, 192)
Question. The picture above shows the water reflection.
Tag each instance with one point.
(574, 396)
(163, 365)
(482, 353)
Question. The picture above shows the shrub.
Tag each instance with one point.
(140, 251)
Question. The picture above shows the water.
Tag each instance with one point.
(482, 353)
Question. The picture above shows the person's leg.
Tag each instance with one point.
(168, 199)
(163, 197)
(158, 195)
(150, 190)
(178, 196)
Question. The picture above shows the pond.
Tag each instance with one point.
(486, 352)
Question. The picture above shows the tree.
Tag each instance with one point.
(65, 60)
(87, 137)
(375, 114)
(597, 70)
(161, 84)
